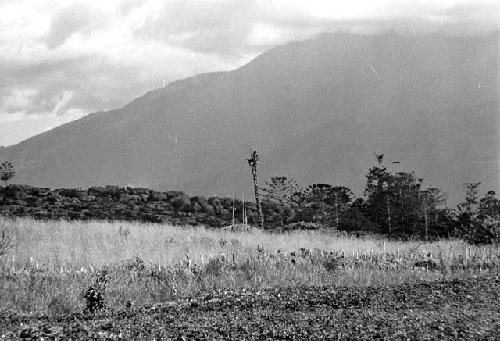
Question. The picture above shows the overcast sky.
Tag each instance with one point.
(62, 59)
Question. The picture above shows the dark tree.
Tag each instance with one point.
(430, 201)
(489, 211)
(378, 197)
(327, 203)
(468, 212)
(398, 204)
(7, 172)
(282, 192)
(490, 205)
(478, 220)
(471, 204)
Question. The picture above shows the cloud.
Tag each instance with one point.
(70, 20)
(208, 27)
(106, 53)
(246, 27)
(128, 5)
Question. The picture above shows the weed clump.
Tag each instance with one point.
(124, 231)
(427, 264)
(135, 264)
(214, 266)
(331, 264)
(6, 243)
(94, 295)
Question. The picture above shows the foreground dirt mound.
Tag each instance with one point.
(462, 309)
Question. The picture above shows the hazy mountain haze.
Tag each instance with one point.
(316, 110)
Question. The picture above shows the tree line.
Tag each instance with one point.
(397, 205)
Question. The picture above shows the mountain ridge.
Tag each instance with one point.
(351, 95)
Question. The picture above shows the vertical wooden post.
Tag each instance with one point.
(337, 219)
(426, 223)
(389, 217)
(252, 162)
(233, 213)
(244, 216)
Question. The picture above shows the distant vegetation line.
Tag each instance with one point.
(395, 204)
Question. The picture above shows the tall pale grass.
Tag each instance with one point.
(52, 263)
(76, 244)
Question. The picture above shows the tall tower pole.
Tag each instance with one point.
(252, 162)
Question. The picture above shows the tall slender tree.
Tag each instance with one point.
(378, 184)
(430, 200)
(489, 210)
(252, 162)
(468, 212)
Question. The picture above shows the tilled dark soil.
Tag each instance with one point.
(466, 309)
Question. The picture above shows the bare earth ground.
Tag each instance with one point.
(466, 309)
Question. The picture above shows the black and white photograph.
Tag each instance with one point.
(250, 170)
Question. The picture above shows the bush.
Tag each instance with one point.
(181, 203)
(303, 226)
(480, 231)
(94, 295)
(208, 209)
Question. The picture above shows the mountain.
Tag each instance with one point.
(315, 110)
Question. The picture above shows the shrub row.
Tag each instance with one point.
(122, 203)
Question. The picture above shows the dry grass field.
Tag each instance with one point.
(51, 264)
(118, 280)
